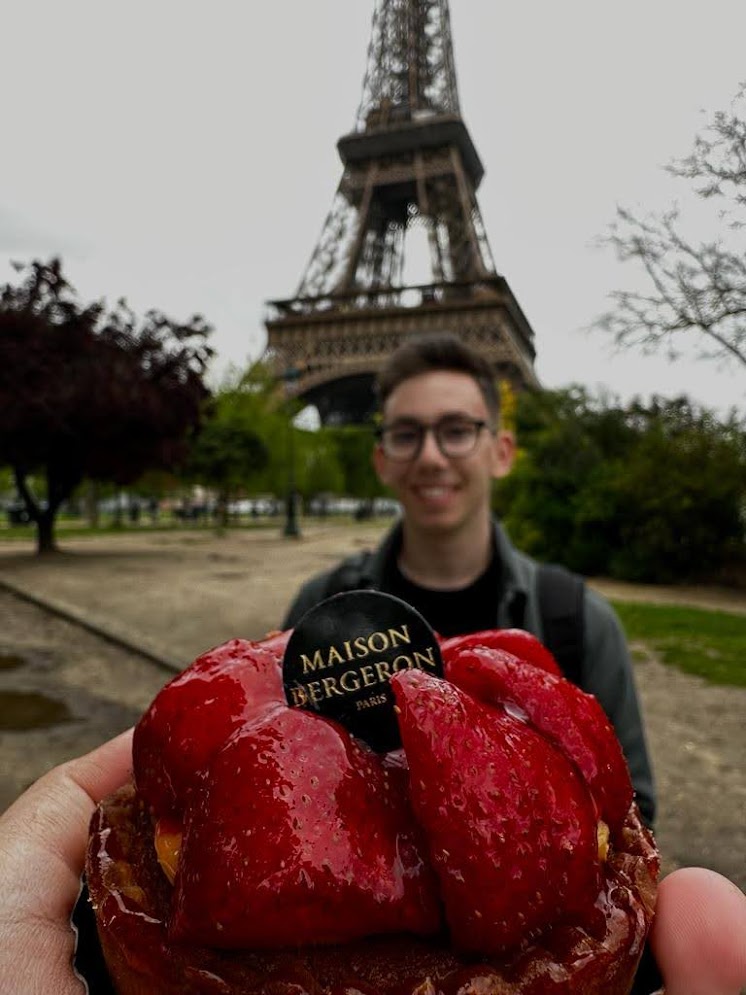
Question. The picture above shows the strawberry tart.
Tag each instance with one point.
(263, 849)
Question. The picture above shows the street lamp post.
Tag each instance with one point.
(291, 530)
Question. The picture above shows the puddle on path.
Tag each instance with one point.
(24, 710)
(10, 661)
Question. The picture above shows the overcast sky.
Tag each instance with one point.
(183, 156)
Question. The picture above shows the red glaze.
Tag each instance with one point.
(510, 824)
(573, 720)
(299, 835)
(276, 642)
(521, 644)
(195, 713)
(296, 833)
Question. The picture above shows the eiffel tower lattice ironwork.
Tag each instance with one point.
(409, 161)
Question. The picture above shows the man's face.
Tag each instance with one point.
(440, 493)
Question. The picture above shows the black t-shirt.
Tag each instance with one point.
(451, 612)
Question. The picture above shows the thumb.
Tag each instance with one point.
(44, 832)
(699, 933)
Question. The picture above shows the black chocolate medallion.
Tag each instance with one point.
(344, 651)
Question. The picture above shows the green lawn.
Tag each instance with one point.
(711, 644)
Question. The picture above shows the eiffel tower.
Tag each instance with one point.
(409, 161)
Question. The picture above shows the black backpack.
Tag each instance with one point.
(560, 594)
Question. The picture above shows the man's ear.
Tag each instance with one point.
(504, 448)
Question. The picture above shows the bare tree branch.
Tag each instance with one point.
(697, 292)
(717, 164)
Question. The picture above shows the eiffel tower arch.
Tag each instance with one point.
(409, 161)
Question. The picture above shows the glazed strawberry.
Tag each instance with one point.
(510, 824)
(276, 642)
(195, 713)
(299, 835)
(573, 720)
(521, 644)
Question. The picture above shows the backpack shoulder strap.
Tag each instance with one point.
(561, 595)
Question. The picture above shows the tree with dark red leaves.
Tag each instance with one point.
(91, 393)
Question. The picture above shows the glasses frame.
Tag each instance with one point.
(435, 427)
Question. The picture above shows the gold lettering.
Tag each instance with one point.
(317, 663)
(314, 691)
(330, 687)
(376, 672)
(300, 698)
(379, 699)
(378, 637)
(383, 671)
(334, 657)
(367, 675)
(398, 636)
(349, 677)
(424, 660)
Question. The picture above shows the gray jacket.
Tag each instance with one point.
(606, 669)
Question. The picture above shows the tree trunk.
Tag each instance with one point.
(118, 518)
(45, 542)
(91, 503)
(221, 513)
(43, 518)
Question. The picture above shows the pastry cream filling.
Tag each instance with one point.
(168, 846)
(602, 835)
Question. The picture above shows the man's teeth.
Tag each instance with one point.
(434, 492)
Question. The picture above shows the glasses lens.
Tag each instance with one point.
(457, 437)
(401, 441)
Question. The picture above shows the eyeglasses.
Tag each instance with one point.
(456, 436)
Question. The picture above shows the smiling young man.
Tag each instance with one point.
(439, 447)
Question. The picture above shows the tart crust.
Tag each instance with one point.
(131, 899)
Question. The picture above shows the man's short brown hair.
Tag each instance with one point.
(434, 351)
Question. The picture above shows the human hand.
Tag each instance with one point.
(699, 933)
(42, 848)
